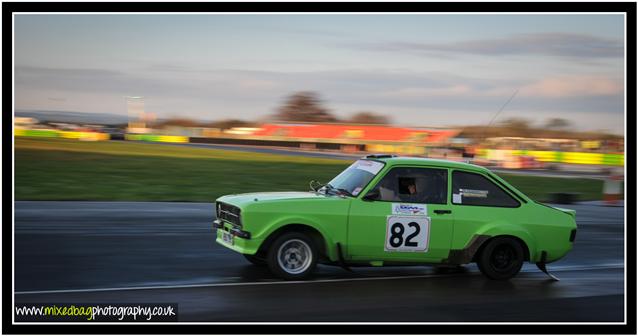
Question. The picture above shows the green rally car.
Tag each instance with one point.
(388, 210)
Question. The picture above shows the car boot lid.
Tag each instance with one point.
(570, 212)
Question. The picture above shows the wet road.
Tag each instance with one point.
(138, 252)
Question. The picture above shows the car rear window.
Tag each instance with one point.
(476, 189)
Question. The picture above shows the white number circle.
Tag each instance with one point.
(407, 234)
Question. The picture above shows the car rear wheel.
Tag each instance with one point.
(501, 259)
(255, 260)
(292, 256)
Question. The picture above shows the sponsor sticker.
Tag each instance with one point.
(456, 198)
(474, 193)
(409, 209)
(356, 191)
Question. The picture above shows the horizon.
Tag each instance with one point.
(283, 122)
(416, 68)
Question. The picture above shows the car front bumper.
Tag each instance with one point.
(241, 240)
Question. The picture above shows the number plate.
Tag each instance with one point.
(227, 238)
(407, 234)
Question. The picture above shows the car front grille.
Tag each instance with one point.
(229, 213)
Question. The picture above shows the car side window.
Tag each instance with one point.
(412, 185)
(476, 189)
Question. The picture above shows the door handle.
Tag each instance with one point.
(440, 212)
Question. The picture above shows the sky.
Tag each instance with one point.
(419, 69)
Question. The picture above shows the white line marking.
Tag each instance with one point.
(229, 284)
(281, 282)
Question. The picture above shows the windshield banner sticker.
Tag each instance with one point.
(409, 209)
(372, 167)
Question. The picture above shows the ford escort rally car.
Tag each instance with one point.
(385, 210)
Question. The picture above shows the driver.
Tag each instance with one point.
(412, 195)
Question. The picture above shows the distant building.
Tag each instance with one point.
(353, 138)
(24, 123)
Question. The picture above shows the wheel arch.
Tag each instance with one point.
(526, 249)
(518, 232)
(318, 238)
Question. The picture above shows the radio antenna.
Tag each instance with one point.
(502, 108)
(497, 113)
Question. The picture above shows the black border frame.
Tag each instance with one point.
(8, 8)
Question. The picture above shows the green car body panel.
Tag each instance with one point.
(359, 226)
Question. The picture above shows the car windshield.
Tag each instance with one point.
(355, 178)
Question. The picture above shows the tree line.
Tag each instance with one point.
(307, 107)
(303, 107)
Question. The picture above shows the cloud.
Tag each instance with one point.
(178, 81)
(344, 85)
(215, 94)
(551, 44)
(257, 84)
(574, 86)
(416, 92)
(566, 86)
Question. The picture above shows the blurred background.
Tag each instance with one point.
(542, 95)
(156, 116)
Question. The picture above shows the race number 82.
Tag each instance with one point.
(407, 233)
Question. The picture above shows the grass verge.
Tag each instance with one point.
(57, 169)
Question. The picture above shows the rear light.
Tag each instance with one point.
(572, 236)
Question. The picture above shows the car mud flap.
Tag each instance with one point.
(342, 262)
(543, 266)
(466, 254)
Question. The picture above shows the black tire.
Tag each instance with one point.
(289, 250)
(501, 259)
(255, 260)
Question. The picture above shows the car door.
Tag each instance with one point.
(406, 216)
(477, 201)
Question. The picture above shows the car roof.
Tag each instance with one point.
(417, 161)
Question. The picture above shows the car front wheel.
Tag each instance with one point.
(501, 259)
(292, 256)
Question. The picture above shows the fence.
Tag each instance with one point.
(85, 136)
(612, 159)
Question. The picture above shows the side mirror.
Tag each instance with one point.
(314, 185)
(372, 195)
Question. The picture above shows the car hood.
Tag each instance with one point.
(244, 199)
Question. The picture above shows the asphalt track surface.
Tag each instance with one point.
(144, 252)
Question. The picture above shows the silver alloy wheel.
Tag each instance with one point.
(294, 256)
